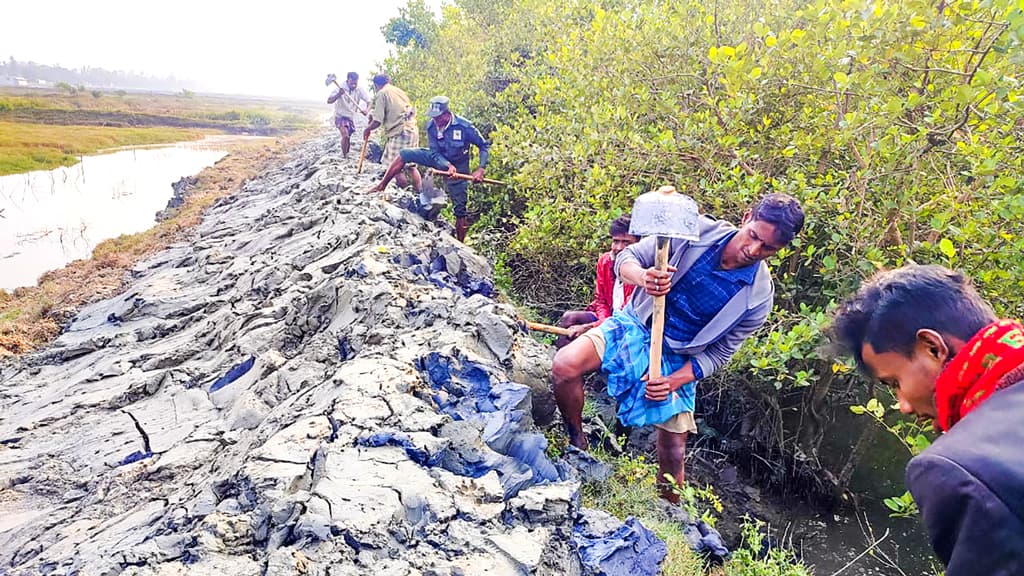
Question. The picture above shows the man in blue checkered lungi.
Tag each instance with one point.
(718, 292)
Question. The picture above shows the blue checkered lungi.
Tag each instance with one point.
(626, 359)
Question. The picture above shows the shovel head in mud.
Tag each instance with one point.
(431, 199)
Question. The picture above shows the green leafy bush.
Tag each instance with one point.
(896, 124)
(751, 560)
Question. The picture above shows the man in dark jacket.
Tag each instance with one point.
(925, 332)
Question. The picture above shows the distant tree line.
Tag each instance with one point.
(91, 77)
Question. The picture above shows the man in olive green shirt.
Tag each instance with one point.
(393, 112)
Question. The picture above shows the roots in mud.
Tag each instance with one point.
(778, 439)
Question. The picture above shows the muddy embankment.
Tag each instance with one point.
(317, 382)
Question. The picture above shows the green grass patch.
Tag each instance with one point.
(26, 147)
(231, 111)
(8, 103)
(630, 491)
(10, 315)
(680, 561)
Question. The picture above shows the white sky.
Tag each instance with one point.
(272, 49)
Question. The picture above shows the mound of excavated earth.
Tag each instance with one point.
(318, 382)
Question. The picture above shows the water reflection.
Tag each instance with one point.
(49, 218)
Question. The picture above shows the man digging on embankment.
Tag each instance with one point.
(927, 334)
(346, 101)
(718, 292)
(449, 138)
(393, 112)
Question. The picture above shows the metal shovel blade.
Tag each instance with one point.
(429, 194)
(665, 212)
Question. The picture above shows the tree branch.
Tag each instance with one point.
(928, 70)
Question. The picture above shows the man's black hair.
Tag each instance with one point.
(381, 79)
(352, 76)
(889, 309)
(620, 225)
(782, 211)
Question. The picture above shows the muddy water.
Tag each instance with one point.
(51, 217)
(836, 541)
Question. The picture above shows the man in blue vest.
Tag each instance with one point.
(718, 291)
(449, 137)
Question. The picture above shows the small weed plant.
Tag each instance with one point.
(752, 559)
(914, 435)
(699, 503)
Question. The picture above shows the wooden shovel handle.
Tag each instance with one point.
(658, 318)
(547, 328)
(354, 103)
(466, 177)
(362, 155)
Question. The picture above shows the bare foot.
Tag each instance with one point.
(578, 439)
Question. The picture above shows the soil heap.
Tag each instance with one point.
(318, 382)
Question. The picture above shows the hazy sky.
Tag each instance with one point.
(275, 49)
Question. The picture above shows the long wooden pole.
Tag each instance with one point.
(466, 177)
(658, 317)
(547, 328)
(362, 155)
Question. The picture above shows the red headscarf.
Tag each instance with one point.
(978, 370)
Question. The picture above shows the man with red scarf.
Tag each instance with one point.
(925, 332)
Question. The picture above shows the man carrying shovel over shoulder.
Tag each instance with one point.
(717, 291)
(449, 137)
(346, 101)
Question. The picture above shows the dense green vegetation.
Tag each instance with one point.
(897, 124)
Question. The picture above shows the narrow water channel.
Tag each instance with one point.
(864, 540)
(50, 217)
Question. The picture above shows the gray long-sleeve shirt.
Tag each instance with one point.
(715, 344)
